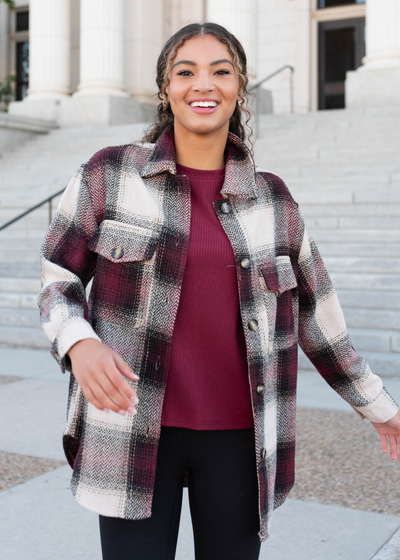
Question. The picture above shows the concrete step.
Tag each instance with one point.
(374, 340)
(18, 245)
(382, 364)
(358, 249)
(362, 265)
(367, 281)
(19, 257)
(355, 222)
(353, 210)
(20, 270)
(29, 285)
(18, 300)
(19, 317)
(16, 233)
(24, 337)
(386, 319)
(368, 299)
(351, 235)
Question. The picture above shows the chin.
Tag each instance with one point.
(204, 127)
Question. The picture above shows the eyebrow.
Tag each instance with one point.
(192, 63)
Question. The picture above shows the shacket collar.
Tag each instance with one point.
(240, 171)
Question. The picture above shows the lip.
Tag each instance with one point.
(204, 110)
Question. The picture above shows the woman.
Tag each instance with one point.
(204, 273)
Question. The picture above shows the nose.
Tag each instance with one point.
(203, 82)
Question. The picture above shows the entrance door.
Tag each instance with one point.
(341, 48)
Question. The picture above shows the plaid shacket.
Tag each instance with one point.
(124, 220)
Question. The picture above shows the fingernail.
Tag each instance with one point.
(132, 410)
(134, 400)
(122, 411)
(106, 409)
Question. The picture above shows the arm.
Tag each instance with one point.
(324, 339)
(67, 267)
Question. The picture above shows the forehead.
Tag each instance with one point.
(203, 48)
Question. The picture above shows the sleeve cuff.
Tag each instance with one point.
(381, 410)
(71, 332)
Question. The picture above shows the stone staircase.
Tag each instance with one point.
(341, 166)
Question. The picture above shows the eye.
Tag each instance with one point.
(186, 72)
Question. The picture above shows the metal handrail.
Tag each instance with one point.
(48, 200)
(258, 84)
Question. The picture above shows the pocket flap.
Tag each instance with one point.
(120, 242)
(278, 275)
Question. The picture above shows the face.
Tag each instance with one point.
(203, 71)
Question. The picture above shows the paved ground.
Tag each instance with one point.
(345, 502)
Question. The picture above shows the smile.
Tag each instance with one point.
(203, 106)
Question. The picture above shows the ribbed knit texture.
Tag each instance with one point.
(208, 386)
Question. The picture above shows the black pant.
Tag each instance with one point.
(223, 497)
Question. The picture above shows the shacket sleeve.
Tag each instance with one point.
(67, 265)
(324, 339)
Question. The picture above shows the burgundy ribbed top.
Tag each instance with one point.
(207, 386)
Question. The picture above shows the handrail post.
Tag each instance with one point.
(255, 87)
(291, 91)
(49, 211)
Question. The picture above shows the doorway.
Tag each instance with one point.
(341, 47)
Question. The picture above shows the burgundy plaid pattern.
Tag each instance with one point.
(124, 221)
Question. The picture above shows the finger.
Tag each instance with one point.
(123, 367)
(121, 385)
(393, 446)
(91, 397)
(105, 400)
(384, 444)
(113, 390)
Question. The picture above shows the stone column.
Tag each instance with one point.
(143, 43)
(240, 19)
(49, 49)
(101, 49)
(377, 81)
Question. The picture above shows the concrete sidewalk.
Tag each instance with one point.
(40, 519)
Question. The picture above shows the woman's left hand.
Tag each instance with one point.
(390, 428)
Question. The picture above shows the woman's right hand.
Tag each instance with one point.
(99, 372)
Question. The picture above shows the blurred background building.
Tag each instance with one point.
(327, 80)
(66, 51)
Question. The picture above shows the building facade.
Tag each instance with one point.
(71, 56)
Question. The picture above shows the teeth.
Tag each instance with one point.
(203, 104)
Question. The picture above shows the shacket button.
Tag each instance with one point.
(226, 207)
(260, 388)
(245, 263)
(253, 325)
(263, 453)
(117, 252)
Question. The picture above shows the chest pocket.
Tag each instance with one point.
(277, 279)
(120, 243)
(120, 292)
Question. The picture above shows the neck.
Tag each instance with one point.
(200, 151)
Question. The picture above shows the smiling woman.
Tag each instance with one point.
(205, 281)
